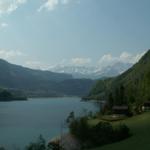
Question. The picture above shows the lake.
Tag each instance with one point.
(21, 122)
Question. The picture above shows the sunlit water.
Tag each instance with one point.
(22, 122)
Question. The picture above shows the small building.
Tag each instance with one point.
(146, 106)
(121, 110)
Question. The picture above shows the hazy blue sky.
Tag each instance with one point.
(47, 32)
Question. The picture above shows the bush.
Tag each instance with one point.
(101, 134)
(80, 128)
(121, 132)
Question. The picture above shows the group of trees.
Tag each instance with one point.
(101, 134)
(7, 95)
(4, 94)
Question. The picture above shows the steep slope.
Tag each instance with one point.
(131, 87)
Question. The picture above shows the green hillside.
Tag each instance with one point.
(38, 83)
(131, 87)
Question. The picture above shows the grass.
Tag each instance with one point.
(140, 128)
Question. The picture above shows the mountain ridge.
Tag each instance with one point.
(93, 72)
(39, 83)
(130, 88)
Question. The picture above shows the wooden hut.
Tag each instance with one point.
(121, 110)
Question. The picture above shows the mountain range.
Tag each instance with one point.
(60, 81)
(93, 72)
(41, 83)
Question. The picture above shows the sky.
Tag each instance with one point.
(44, 33)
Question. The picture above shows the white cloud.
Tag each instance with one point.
(8, 54)
(125, 57)
(137, 57)
(36, 65)
(49, 5)
(104, 61)
(4, 25)
(52, 4)
(8, 6)
(65, 1)
(80, 61)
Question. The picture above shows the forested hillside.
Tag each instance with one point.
(132, 87)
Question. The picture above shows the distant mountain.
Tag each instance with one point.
(131, 87)
(40, 83)
(15, 76)
(93, 72)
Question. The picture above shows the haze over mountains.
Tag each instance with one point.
(108, 65)
(93, 72)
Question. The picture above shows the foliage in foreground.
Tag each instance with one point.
(99, 135)
(40, 144)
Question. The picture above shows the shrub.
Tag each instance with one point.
(101, 134)
(80, 128)
(121, 132)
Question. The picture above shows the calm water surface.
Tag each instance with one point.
(22, 122)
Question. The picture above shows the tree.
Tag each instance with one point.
(122, 94)
(40, 144)
(111, 100)
(71, 117)
(5, 94)
(80, 128)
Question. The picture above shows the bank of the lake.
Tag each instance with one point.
(23, 121)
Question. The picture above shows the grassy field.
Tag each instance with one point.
(140, 128)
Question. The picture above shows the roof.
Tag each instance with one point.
(120, 107)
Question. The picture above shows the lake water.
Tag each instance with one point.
(23, 121)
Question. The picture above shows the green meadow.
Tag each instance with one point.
(140, 129)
